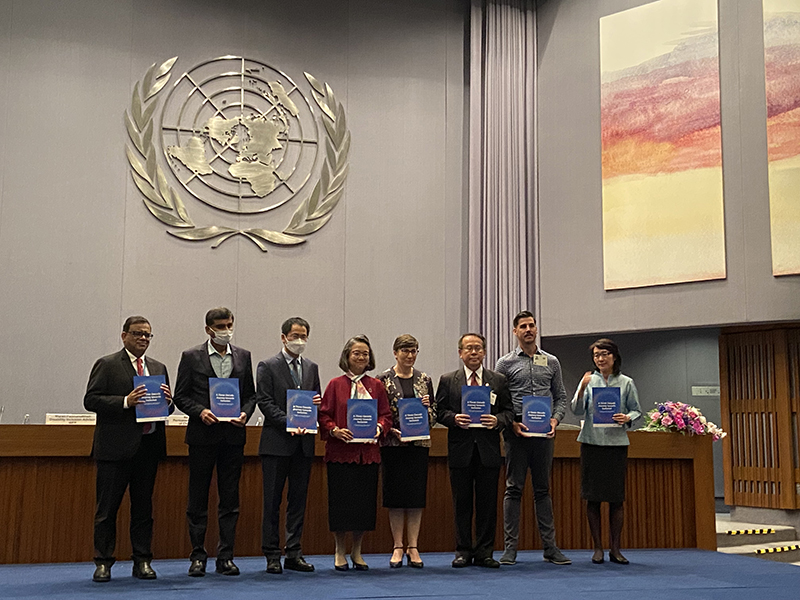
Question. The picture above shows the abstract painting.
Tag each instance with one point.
(782, 62)
(663, 210)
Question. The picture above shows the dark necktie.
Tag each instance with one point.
(139, 366)
(473, 379)
(295, 373)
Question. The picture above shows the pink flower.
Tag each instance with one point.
(655, 416)
(666, 421)
(679, 422)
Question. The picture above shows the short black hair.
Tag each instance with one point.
(344, 363)
(287, 325)
(134, 320)
(607, 344)
(405, 341)
(218, 313)
(523, 314)
(477, 335)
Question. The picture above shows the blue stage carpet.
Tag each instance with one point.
(652, 574)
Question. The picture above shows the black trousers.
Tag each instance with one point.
(276, 470)
(228, 460)
(477, 482)
(113, 478)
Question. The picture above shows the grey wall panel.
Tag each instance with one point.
(80, 252)
(571, 271)
(5, 66)
(63, 202)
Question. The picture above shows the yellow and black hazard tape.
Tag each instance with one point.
(750, 531)
(779, 549)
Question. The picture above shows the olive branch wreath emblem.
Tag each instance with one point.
(165, 203)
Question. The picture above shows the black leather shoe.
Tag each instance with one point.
(102, 574)
(297, 563)
(274, 566)
(460, 562)
(143, 570)
(619, 559)
(197, 568)
(225, 566)
(360, 566)
(343, 567)
(487, 562)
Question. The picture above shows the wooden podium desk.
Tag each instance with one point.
(47, 497)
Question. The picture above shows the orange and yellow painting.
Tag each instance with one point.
(663, 210)
(782, 62)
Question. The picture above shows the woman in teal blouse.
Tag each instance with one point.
(604, 451)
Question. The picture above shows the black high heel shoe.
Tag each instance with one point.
(416, 564)
(396, 564)
(597, 557)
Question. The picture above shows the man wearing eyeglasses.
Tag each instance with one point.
(126, 452)
(473, 453)
(530, 372)
(214, 443)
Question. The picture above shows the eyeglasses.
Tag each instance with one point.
(602, 354)
(141, 334)
(358, 354)
(411, 351)
(473, 348)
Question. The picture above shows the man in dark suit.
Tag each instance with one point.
(126, 452)
(285, 455)
(474, 452)
(214, 443)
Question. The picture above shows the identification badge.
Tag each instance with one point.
(540, 360)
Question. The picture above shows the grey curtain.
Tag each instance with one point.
(502, 169)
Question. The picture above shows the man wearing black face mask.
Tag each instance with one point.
(285, 455)
(211, 442)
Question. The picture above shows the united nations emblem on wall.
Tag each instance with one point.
(241, 137)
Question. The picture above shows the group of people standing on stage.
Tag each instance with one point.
(127, 452)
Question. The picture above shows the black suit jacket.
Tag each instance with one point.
(461, 442)
(117, 435)
(272, 380)
(192, 397)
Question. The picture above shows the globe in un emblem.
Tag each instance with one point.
(239, 135)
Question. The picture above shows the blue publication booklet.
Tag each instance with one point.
(476, 400)
(413, 420)
(301, 412)
(155, 406)
(536, 413)
(605, 403)
(224, 397)
(362, 419)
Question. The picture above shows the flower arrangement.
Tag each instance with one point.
(677, 416)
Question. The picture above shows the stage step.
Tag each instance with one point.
(771, 542)
(761, 534)
(788, 552)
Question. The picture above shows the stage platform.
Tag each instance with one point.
(652, 574)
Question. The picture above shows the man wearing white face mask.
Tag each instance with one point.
(213, 443)
(284, 455)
